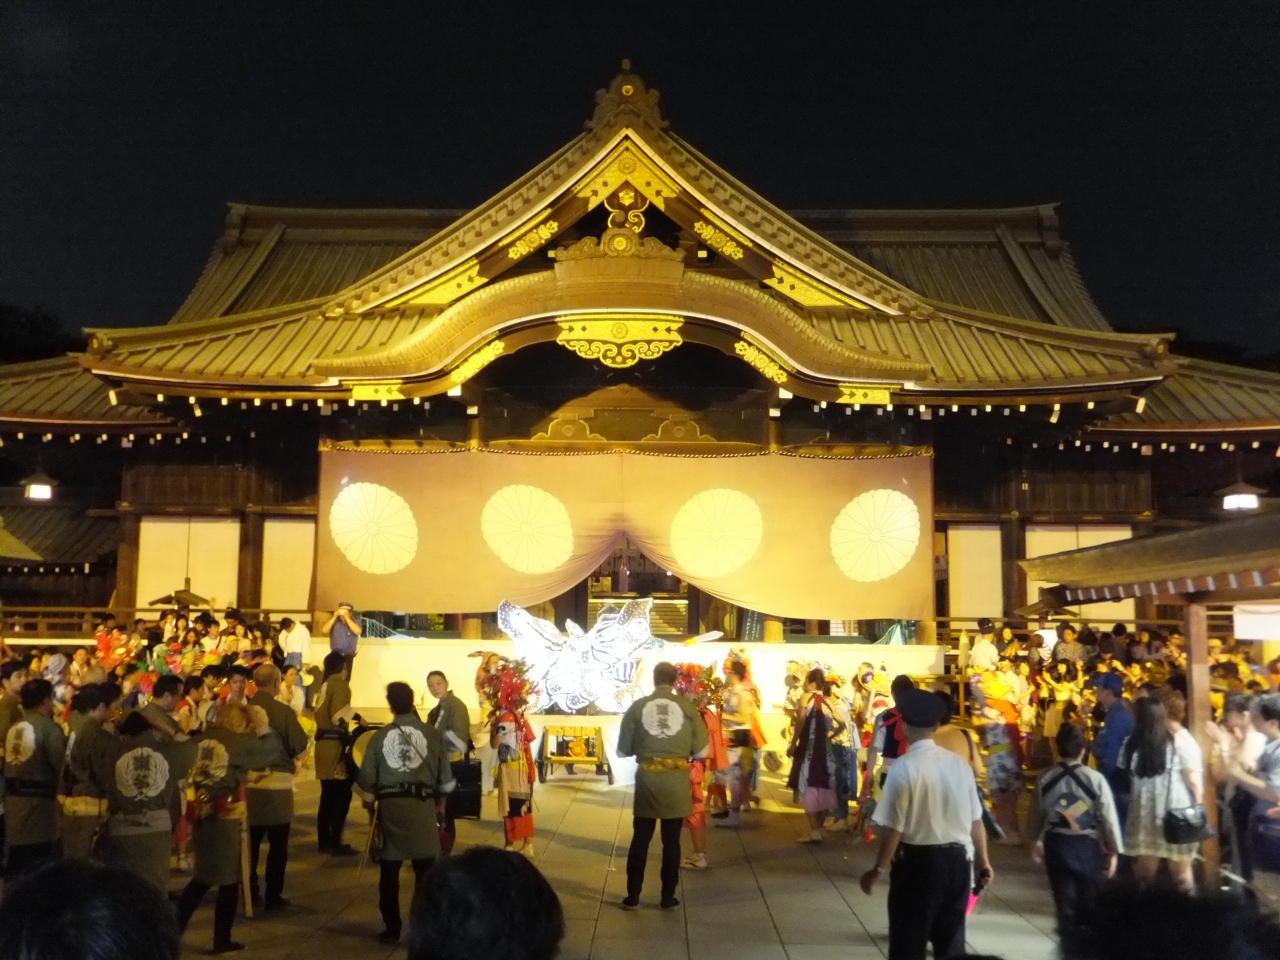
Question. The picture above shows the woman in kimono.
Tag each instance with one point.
(813, 761)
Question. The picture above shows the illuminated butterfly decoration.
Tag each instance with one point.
(583, 667)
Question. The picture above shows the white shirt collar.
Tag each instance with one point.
(922, 745)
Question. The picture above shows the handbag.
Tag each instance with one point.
(1184, 825)
(464, 802)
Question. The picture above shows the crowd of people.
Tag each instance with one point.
(175, 744)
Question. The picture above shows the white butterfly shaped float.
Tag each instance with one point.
(584, 667)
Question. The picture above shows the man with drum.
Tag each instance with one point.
(333, 713)
(406, 768)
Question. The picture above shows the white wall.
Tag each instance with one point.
(1044, 539)
(206, 549)
(975, 570)
(288, 556)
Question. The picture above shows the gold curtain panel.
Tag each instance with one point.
(791, 536)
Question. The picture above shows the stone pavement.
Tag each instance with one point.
(764, 898)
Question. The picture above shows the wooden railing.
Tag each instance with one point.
(36, 625)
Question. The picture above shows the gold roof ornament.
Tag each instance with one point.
(627, 91)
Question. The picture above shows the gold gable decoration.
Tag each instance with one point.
(620, 340)
(627, 164)
(478, 360)
(864, 393)
(767, 366)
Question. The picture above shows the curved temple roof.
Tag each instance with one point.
(966, 304)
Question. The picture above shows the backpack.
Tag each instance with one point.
(1075, 809)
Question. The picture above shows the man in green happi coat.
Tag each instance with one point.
(84, 805)
(269, 791)
(406, 768)
(240, 739)
(333, 714)
(141, 770)
(158, 711)
(451, 717)
(34, 750)
(13, 674)
(662, 731)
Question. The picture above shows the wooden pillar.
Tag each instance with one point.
(249, 574)
(693, 622)
(812, 628)
(126, 592)
(1013, 547)
(1199, 713)
(453, 622)
(773, 630)
(471, 626)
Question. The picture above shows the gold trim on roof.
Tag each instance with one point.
(619, 340)
(627, 164)
(478, 360)
(383, 390)
(767, 366)
(457, 283)
(863, 393)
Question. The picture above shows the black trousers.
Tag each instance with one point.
(277, 836)
(1074, 865)
(641, 833)
(928, 894)
(331, 818)
(25, 857)
(389, 889)
(224, 909)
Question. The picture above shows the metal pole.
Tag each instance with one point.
(1199, 714)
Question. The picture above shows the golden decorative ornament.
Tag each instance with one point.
(374, 528)
(761, 361)
(862, 393)
(718, 240)
(477, 362)
(716, 532)
(527, 528)
(532, 240)
(446, 288)
(875, 535)
(805, 290)
(627, 163)
(619, 340)
(628, 89)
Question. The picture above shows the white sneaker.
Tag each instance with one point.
(731, 822)
(697, 861)
(839, 826)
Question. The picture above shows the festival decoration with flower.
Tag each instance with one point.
(508, 687)
(700, 684)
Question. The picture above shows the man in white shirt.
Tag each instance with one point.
(295, 644)
(983, 655)
(930, 820)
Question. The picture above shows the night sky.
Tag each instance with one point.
(125, 126)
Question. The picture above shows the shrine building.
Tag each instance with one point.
(625, 374)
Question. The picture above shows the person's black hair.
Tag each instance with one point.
(949, 702)
(485, 903)
(816, 676)
(232, 613)
(1269, 706)
(84, 699)
(1119, 630)
(192, 683)
(286, 623)
(139, 620)
(80, 910)
(155, 636)
(1157, 921)
(166, 685)
(333, 663)
(739, 668)
(35, 692)
(438, 673)
(900, 685)
(1146, 751)
(108, 618)
(109, 692)
(127, 669)
(10, 667)
(1070, 670)
(1064, 626)
(213, 670)
(239, 670)
(400, 697)
(1071, 741)
(664, 674)
(134, 725)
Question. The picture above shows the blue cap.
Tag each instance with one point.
(1109, 681)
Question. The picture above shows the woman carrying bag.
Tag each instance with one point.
(1166, 819)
